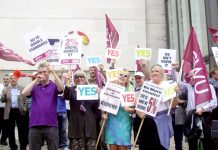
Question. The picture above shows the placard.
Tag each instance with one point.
(169, 92)
(71, 49)
(149, 99)
(113, 74)
(93, 61)
(215, 53)
(87, 92)
(110, 98)
(143, 53)
(37, 45)
(54, 60)
(128, 99)
(166, 57)
(113, 53)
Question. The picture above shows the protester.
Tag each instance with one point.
(62, 117)
(82, 126)
(214, 82)
(156, 132)
(139, 80)
(43, 114)
(199, 117)
(118, 127)
(15, 111)
(3, 123)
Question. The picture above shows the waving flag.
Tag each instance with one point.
(214, 34)
(9, 55)
(112, 36)
(193, 60)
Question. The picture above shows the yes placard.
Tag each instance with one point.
(113, 53)
(128, 99)
(143, 53)
(87, 92)
(112, 74)
(93, 60)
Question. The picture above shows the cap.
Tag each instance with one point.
(139, 74)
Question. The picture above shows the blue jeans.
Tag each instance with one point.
(62, 121)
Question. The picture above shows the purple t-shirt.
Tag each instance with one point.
(43, 106)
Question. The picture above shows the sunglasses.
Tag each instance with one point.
(138, 78)
(124, 75)
(77, 77)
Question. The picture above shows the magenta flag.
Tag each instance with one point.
(112, 36)
(214, 34)
(193, 60)
(9, 55)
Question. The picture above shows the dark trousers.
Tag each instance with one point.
(3, 126)
(21, 121)
(178, 133)
(38, 134)
(149, 138)
(206, 141)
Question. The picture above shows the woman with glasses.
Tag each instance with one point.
(156, 131)
(82, 125)
(118, 127)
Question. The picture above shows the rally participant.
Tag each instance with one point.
(201, 111)
(15, 112)
(43, 114)
(118, 127)
(82, 126)
(3, 123)
(156, 132)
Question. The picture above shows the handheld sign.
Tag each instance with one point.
(143, 53)
(215, 53)
(71, 49)
(113, 53)
(54, 60)
(87, 92)
(93, 60)
(165, 58)
(110, 98)
(128, 99)
(112, 74)
(37, 45)
(169, 92)
(149, 99)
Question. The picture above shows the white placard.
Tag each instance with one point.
(215, 53)
(87, 92)
(143, 53)
(166, 57)
(110, 98)
(128, 99)
(54, 60)
(169, 92)
(71, 49)
(149, 99)
(113, 53)
(113, 74)
(93, 61)
(37, 45)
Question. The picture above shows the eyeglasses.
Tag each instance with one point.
(124, 75)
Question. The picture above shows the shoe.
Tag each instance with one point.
(4, 143)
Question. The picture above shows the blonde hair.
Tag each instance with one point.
(160, 68)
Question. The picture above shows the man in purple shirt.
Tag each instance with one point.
(43, 115)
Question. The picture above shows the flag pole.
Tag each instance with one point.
(178, 79)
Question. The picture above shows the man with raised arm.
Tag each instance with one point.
(43, 114)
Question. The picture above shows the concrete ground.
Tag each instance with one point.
(172, 145)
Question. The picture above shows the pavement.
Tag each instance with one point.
(172, 144)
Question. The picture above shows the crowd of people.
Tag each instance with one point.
(39, 110)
